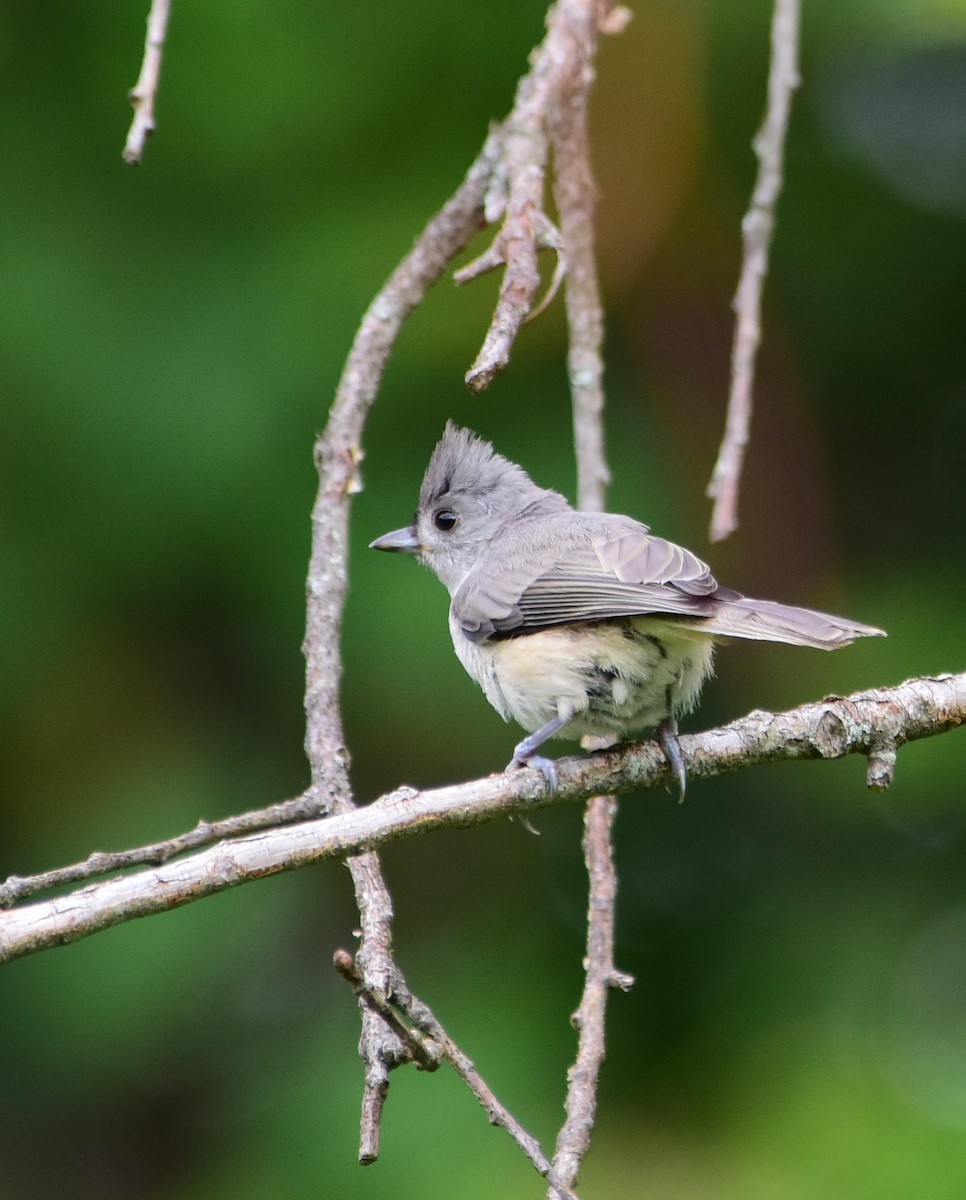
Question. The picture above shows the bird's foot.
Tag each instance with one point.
(546, 766)
(667, 735)
(525, 754)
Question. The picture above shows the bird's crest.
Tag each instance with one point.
(465, 464)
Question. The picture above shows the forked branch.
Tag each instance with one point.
(545, 134)
(557, 84)
(507, 182)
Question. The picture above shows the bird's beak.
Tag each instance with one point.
(404, 540)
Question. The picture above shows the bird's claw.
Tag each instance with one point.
(546, 766)
(667, 734)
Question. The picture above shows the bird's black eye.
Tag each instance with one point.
(444, 520)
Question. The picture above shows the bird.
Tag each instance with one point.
(579, 624)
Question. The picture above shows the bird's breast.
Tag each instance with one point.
(613, 678)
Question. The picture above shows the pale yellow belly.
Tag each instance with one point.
(612, 678)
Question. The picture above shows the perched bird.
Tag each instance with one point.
(577, 623)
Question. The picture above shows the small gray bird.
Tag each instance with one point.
(579, 623)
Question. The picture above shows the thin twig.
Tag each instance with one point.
(145, 91)
(205, 833)
(432, 1044)
(507, 180)
(873, 723)
(576, 195)
(757, 228)
(553, 83)
(338, 453)
(573, 1141)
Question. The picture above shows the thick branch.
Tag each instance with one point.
(757, 230)
(873, 723)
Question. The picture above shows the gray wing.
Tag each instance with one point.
(607, 567)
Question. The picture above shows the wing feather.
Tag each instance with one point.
(617, 569)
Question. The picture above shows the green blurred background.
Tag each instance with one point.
(170, 338)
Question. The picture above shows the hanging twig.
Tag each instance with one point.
(416, 1022)
(554, 82)
(589, 1020)
(756, 229)
(145, 91)
(576, 195)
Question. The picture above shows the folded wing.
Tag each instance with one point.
(621, 571)
(584, 567)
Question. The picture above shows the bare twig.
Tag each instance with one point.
(507, 181)
(573, 1140)
(558, 77)
(145, 91)
(17, 888)
(337, 454)
(872, 723)
(432, 1043)
(576, 196)
(757, 229)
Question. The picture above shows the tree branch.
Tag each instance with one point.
(559, 78)
(756, 229)
(16, 888)
(589, 1020)
(575, 193)
(338, 453)
(420, 1026)
(874, 723)
(145, 91)
(507, 180)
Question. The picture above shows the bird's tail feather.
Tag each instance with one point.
(768, 621)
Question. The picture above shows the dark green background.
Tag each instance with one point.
(170, 338)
